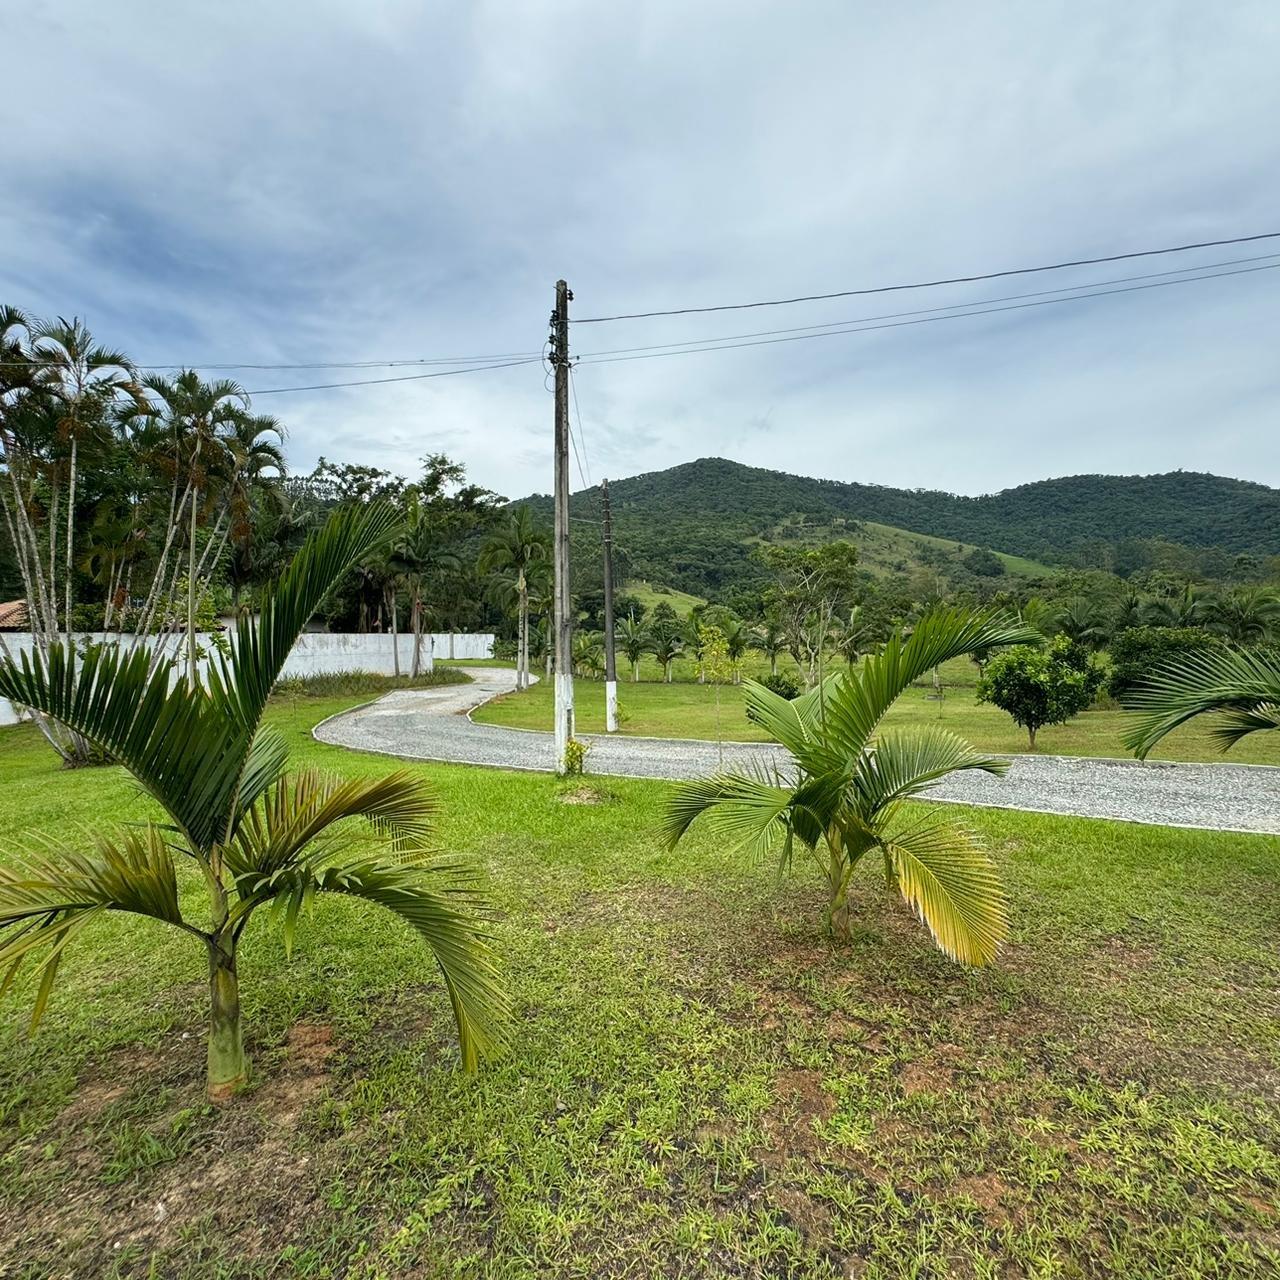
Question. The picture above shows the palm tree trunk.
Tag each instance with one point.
(417, 635)
(191, 594)
(228, 1067)
(395, 635)
(71, 528)
(522, 644)
(773, 663)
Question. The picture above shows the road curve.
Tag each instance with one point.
(433, 724)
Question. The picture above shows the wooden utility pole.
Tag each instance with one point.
(610, 666)
(563, 606)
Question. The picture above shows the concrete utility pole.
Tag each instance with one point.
(563, 607)
(610, 666)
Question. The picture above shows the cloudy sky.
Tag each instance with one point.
(278, 183)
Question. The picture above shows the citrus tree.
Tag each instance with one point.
(256, 836)
(843, 798)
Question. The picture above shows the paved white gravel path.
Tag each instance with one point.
(433, 724)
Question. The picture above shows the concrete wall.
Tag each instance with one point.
(321, 653)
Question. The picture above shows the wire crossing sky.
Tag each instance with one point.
(342, 253)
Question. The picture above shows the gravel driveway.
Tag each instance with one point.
(432, 724)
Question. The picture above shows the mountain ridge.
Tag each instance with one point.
(692, 525)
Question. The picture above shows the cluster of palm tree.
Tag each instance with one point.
(127, 487)
(1241, 615)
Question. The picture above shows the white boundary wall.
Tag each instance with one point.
(319, 653)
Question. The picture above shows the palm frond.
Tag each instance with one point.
(51, 893)
(946, 875)
(1243, 684)
(752, 812)
(857, 702)
(242, 685)
(301, 808)
(904, 763)
(778, 716)
(170, 738)
(440, 904)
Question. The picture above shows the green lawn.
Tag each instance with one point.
(688, 710)
(700, 1084)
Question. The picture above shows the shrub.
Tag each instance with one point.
(783, 684)
(340, 684)
(1041, 686)
(1139, 651)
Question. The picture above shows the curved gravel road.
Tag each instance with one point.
(433, 724)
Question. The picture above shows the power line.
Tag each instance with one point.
(931, 284)
(408, 377)
(320, 364)
(928, 319)
(926, 311)
(582, 435)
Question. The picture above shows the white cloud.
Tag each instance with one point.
(262, 182)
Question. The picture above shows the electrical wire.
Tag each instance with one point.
(926, 311)
(582, 435)
(408, 377)
(930, 284)
(929, 319)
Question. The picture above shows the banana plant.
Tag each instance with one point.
(844, 797)
(259, 838)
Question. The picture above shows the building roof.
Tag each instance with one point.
(13, 615)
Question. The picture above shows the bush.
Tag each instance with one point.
(1139, 651)
(341, 684)
(783, 684)
(1041, 686)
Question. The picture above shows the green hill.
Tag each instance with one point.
(693, 527)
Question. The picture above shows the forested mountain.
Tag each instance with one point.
(693, 526)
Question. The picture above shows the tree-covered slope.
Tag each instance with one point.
(693, 526)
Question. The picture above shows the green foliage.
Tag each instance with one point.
(844, 800)
(333, 684)
(1241, 688)
(1040, 686)
(692, 527)
(782, 683)
(984, 563)
(1138, 652)
(575, 757)
(260, 837)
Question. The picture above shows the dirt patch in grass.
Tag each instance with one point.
(144, 1161)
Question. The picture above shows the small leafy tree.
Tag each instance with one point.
(1138, 652)
(1040, 686)
(812, 586)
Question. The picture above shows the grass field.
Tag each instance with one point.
(700, 1085)
(688, 710)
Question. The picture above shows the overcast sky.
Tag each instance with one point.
(285, 183)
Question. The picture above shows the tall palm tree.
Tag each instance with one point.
(1240, 686)
(843, 798)
(199, 416)
(84, 379)
(737, 638)
(855, 635)
(771, 639)
(417, 553)
(1084, 621)
(258, 837)
(1245, 616)
(633, 639)
(512, 550)
(666, 644)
